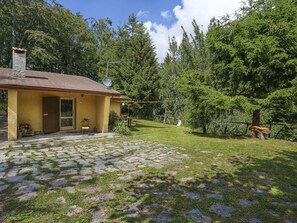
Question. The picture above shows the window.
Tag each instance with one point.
(67, 113)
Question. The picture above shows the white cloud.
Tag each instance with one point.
(166, 14)
(200, 10)
(143, 14)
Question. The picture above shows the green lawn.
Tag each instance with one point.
(240, 163)
(222, 171)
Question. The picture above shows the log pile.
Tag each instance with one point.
(25, 130)
(260, 132)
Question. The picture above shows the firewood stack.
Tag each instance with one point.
(25, 130)
(260, 132)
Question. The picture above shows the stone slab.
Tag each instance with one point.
(197, 216)
(28, 196)
(222, 210)
(58, 182)
(73, 210)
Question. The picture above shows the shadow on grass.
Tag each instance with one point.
(137, 127)
(263, 189)
(216, 136)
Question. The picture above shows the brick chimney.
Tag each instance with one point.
(19, 62)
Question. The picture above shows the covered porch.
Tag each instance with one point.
(55, 111)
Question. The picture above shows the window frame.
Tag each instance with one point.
(73, 117)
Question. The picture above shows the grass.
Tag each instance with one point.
(238, 161)
(237, 168)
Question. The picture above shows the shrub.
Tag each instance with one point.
(3, 107)
(113, 119)
(121, 128)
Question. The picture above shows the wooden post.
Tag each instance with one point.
(12, 114)
(247, 127)
(225, 130)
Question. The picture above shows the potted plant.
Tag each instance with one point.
(85, 122)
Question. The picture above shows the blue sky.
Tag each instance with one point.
(162, 18)
(119, 10)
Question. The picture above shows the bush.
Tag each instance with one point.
(121, 128)
(3, 107)
(113, 119)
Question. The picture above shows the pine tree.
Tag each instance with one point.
(173, 101)
(255, 54)
(136, 74)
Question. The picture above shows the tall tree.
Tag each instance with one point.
(47, 31)
(106, 52)
(255, 54)
(136, 75)
(173, 101)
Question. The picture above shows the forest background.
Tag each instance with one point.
(242, 70)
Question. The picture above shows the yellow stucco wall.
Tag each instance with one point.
(103, 109)
(95, 108)
(116, 106)
(30, 109)
(86, 108)
(12, 114)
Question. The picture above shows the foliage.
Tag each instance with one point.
(113, 119)
(185, 66)
(3, 102)
(133, 63)
(121, 128)
(47, 31)
(212, 105)
(288, 132)
(280, 105)
(173, 100)
(3, 107)
(255, 54)
(139, 73)
(117, 124)
(241, 65)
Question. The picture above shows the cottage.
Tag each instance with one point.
(52, 102)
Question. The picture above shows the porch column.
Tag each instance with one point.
(103, 109)
(12, 114)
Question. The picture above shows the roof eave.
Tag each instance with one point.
(3, 86)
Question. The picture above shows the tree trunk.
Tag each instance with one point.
(256, 118)
(204, 129)
(165, 117)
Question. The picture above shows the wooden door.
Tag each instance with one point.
(51, 114)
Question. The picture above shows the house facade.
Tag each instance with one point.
(52, 102)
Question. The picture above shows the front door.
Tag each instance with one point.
(51, 114)
(67, 113)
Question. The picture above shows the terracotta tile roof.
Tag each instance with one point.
(37, 80)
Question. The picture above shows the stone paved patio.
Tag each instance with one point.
(29, 165)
